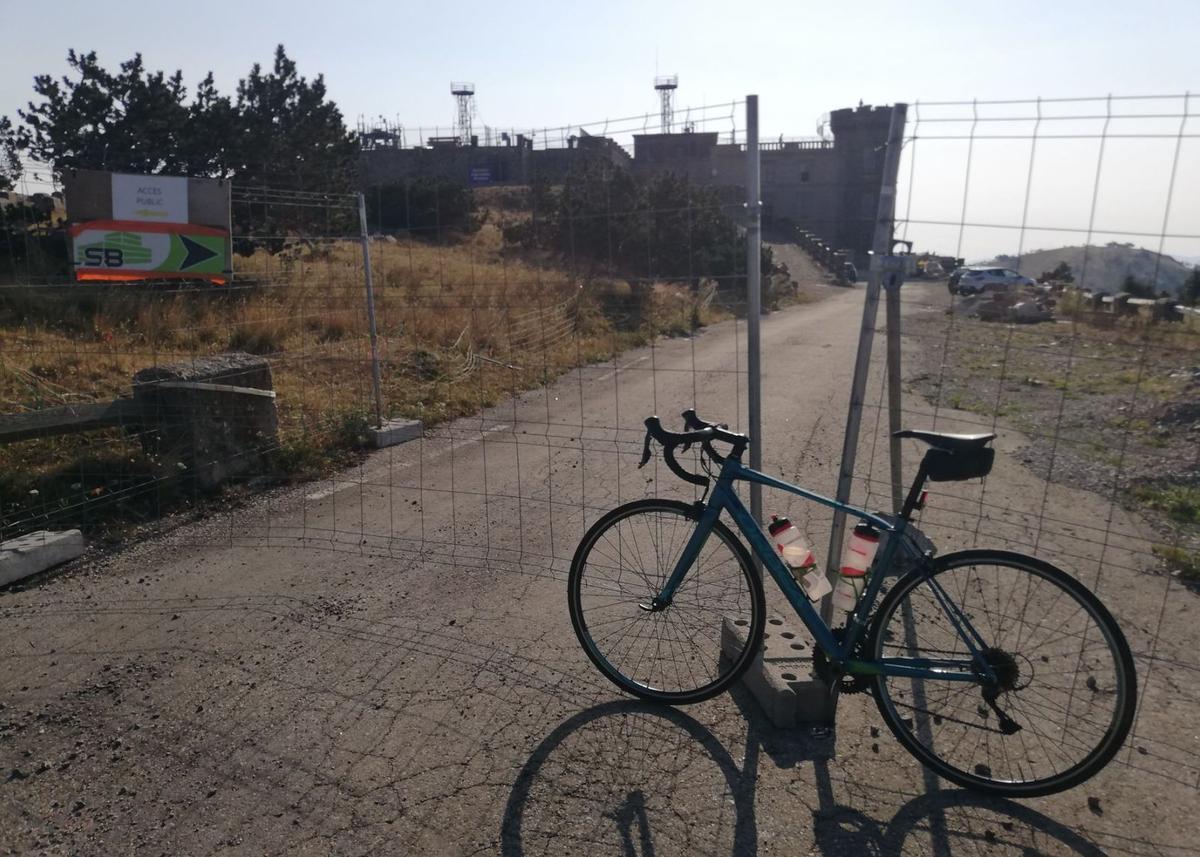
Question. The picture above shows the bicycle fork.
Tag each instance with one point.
(691, 551)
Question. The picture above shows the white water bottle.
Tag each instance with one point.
(790, 545)
(852, 577)
(846, 592)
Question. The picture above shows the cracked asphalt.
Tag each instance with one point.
(382, 663)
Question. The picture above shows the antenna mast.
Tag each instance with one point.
(666, 86)
(464, 94)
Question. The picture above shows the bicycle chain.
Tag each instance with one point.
(846, 683)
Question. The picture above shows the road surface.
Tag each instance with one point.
(383, 663)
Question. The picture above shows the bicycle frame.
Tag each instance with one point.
(725, 499)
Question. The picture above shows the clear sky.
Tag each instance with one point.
(559, 63)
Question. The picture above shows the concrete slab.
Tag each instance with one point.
(780, 677)
(34, 552)
(395, 432)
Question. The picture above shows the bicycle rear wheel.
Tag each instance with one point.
(673, 655)
(1064, 674)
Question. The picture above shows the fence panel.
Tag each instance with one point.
(530, 328)
(538, 325)
(381, 635)
(1088, 377)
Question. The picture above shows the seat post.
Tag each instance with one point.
(914, 493)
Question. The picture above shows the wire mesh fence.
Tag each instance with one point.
(1073, 342)
(295, 305)
(530, 327)
(533, 318)
(523, 326)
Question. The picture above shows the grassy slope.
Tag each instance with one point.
(461, 326)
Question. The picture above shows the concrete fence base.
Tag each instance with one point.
(34, 552)
(781, 676)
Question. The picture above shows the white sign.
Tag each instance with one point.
(157, 199)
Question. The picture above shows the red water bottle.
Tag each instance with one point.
(860, 552)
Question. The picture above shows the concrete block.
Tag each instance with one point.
(780, 677)
(217, 414)
(34, 552)
(395, 432)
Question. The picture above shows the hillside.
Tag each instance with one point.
(1106, 266)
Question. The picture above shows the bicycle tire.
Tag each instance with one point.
(1033, 707)
(695, 648)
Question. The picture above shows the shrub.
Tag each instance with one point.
(1181, 560)
(425, 206)
(1190, 293)
(608, 222)
(1135, 287)
(263, 329)
(1180, 502)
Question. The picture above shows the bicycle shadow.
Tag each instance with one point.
(946, 821)
(609, 778)
(641, 780)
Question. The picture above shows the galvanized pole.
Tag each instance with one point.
(881, 246)
(754, 298)
(891, 292)
(376, 378)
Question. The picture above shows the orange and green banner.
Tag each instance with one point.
(131, 250)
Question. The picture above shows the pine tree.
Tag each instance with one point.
(73, 124)
(288, 134)
(10, 160)
(281, 131)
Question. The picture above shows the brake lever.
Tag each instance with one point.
(645, 452)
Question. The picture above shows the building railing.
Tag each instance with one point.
(785, 144)
(374, 139)
(797, 144)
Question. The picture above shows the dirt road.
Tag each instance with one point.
(383, 663)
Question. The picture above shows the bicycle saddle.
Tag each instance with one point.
(952, 443)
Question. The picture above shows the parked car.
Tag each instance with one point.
(849, 272)
(983, 280)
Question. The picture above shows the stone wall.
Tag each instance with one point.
(215, 415)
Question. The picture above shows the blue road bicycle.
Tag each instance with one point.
(996, 670)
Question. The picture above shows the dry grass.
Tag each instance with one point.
(461, 326)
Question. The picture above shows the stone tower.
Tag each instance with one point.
(860, 135)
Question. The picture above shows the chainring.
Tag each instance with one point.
(824, 669)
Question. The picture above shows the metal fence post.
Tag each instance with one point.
(892, 304)
(376, 378)
(754, 298)
(881, 246)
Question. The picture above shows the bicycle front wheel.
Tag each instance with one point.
(673, 655)
(1063, 674)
